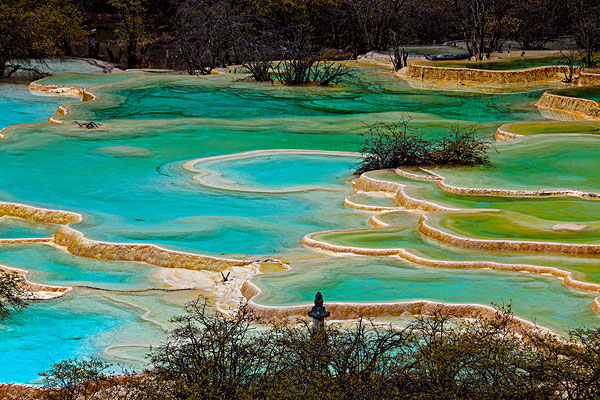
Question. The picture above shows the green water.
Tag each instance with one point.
(127, 179)
(380, 280)
(553, 127)
(590, 93)
(513, 226)
(535, 163)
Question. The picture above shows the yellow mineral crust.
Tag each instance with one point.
(404, 200)
(38, 214)
(580, 108)
(502, 135)
(76, 243)
(505, 245)
(367, 207)
(588, 79)
(352, 311)
(367, 183)
(517, 76)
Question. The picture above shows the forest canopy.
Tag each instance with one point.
(200, 35)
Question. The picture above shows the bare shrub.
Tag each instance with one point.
(400, 145)
(74, 379)
(13, 293)
(568, 64)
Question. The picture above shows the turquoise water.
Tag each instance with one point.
(379, 280)
(20, 106)
(52, 266)
(287, 171)
(127, 179)
(78, 325)
(13, 228)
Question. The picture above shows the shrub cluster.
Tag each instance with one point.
(298, 70)
(400, 145)
(209, 356)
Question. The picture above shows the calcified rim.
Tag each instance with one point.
(505, 132)
(352, 203)
(368, 183)
(482, 76)
(348, 311)
(40, 291)
(74, 242)
(565, 276)
(203, 175)
(584, 109)
(504, 245)
(383, 185)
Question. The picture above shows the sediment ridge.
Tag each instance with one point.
(583, 109)
(517, 76)
(38, 214)
(202, 176)
(77, 244)
(39, 291)
(505, 245)
(353, 311)
(565, 276)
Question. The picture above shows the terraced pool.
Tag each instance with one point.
(225, 175)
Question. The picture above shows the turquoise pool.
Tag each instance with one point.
(128, 180)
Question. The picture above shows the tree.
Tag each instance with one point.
(74, 379)
(373, 22)
(482, 23)
(586, 26)
(208, 355)
(131, 26)
(568, 64)
(209, 34)
(35, 29)
(13, 293)
(535, 22)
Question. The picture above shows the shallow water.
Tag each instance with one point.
(535, 163)
(381, 280)
(591, 93)
(128, 180)
(20, 106)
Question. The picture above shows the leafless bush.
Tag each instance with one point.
(13, 293)
(326, 72)
(399, 144)
(568, 64)
(74, 379)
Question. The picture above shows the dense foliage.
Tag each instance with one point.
(400, 145)
(200, 35)
(35, 29)
(210, 356)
